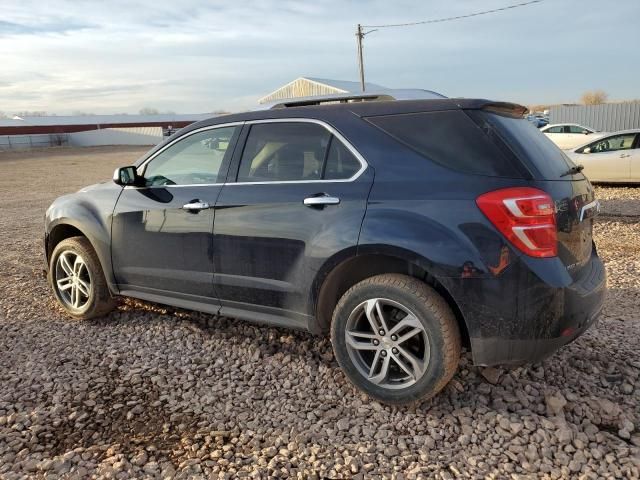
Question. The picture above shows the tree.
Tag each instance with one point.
(149, 111)
(594, 97)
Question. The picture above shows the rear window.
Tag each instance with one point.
(527, 143)
(450, 138)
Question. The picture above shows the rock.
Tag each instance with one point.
(626, 388)
(140, 459)
(491, 375)
(516, 427)
(622, 433)
(555, 403)
(626, 424)
(343, 424)
(564, 434)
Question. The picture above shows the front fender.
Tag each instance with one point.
(90, 211)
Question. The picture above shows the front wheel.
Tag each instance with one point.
(395, 338)
(77, 279)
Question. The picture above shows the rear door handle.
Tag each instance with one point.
(321, 200)
(195, 205)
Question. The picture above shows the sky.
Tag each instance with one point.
(190, 56)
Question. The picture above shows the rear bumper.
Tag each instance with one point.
(522, 318)
(500, 351)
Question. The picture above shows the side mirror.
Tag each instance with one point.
(586, 132)
(587, 150)
(126, 176)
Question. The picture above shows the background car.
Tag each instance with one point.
(612, 158)
(569, 135)
(538, 120)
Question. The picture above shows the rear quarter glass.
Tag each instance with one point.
(536, 151)
(451, 139)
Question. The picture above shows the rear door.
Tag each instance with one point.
(297, 200)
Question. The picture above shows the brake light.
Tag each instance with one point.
(525, 216)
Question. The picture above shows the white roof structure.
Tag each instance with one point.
(60, 120)
(314, 86)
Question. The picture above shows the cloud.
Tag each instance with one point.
(201, 55)
(59, 27)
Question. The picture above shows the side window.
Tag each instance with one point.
(554, 130)
(341, 164)
(196, 159)
(451, 138)
(611, 144)
(283, 151)
(576, 129)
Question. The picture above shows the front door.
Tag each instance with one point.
(299, 200)
(608, 158)
(162, 230)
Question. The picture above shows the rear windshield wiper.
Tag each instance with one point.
(573, 170)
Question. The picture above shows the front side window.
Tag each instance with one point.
(294, 151)
(611, 144)
(195, 160)
(553, 130)
(577, 129)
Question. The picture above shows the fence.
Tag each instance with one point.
(17, 142)
(117, 136)
(608, 117)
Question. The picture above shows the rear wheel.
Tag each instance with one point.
(77, 279)
(396, 338)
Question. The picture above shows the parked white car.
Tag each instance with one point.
(569, 135)
(612, 158)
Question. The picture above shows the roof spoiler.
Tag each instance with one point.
(506, 109)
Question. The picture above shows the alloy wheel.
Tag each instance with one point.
(72, 280)
(387, 343)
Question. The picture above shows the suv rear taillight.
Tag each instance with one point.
(526, 216)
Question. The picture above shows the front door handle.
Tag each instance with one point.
(195, 205)
(321, 200)
(624, 155)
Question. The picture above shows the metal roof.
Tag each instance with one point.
(60, 120)
(345, 85)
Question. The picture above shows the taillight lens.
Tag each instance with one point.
(526, 216)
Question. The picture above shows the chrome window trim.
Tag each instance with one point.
(330, 129)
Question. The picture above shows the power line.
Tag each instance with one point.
(448, 19)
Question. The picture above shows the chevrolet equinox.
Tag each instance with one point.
(405, 230)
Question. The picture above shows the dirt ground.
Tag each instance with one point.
(159, 393)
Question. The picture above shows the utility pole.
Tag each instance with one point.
(359, 37)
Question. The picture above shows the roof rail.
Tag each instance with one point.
(387, 94)
(331, 98)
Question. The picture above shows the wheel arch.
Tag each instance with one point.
(62, 228)
(61, 232)
(366, 264)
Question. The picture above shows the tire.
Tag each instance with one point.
(92, 297)
(415, 312)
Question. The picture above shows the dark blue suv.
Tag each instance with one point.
(404, 229)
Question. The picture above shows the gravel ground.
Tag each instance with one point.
(154, 392)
